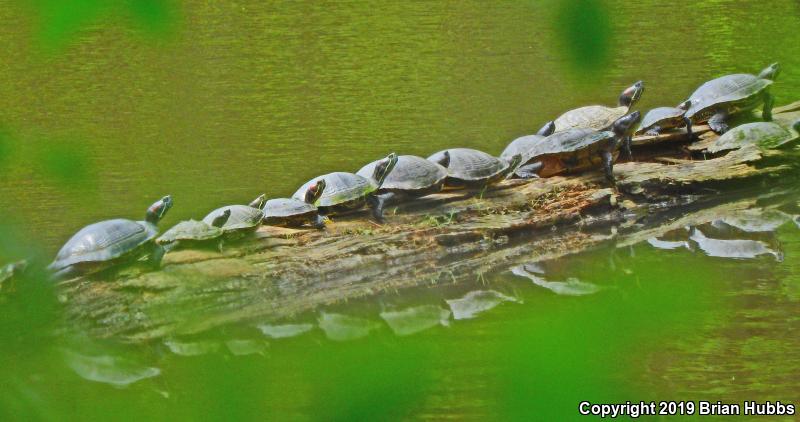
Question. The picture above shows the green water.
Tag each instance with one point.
(238, 98)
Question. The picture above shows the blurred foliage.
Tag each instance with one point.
(60, 21)
(585, 35)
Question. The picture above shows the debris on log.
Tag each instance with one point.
(444, 238)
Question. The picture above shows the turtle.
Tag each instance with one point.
(243, 219)
(470, 168)
(295, 212)
(412, 177)
(600, 117)
(579, 148)
(766, 135)
(10, 271)
(193, 233)
(108, 243)
(664, 118)
(717, 99)
(522, 144)
(346, 192)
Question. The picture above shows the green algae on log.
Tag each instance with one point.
(444, 238)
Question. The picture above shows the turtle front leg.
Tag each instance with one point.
(766, 113)
(156, 255)
(626, 143)
(319, 222)
(376, 203)
(688, 122)
(717, 122)
(529, 171)
(608, 166)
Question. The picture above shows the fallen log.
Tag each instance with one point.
(444, 238)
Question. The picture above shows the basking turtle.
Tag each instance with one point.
(194, 233)
(470, 168)
(664, 118)
(412, 177)
(579, 148)
(522, 144)
(717, 99)
(348, 191)
(766, 135)
(243, 219)
(294, 212)
(600, 117)
(102, 245)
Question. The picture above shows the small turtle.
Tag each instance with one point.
(766, 135)
(664, 118)
(522, 144)
(10, 271)
(294, 212)
(600, 117)
(102, 245)
(346, 192)
(470, 168)
(243, 219)
(412, 177)
(719, 98)
(579, 148)
(193, 233)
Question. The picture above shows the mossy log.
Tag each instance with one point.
(444, 238)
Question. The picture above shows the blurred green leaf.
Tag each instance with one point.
(584, 30)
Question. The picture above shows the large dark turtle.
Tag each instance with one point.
(101, 245)
(346, 192)
(522, 144)
(579, 148)
(470, 168)
(600, 117)
(665, 118)
(293, 212)
(193, 233)
(412, 177)
(719, 98)
(765, 135)
(243, 220)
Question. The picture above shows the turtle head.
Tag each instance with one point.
(625, 125)
(158, 210)
(444, 160)
(547, 129)
(631, 94)
(314, 191)
(221, 218)
(770, 72)
(384, 167)
(259, 201)
(685, 106)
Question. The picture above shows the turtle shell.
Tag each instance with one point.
(570, 141)
(243, 217)
(190, 230)
(341, 189)
(411, 173)
(725, 90)
(521, 146)
(104, 241)
(666, 117)
(287, 207)
(767, 135)
(471, 165)
(593, 117)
